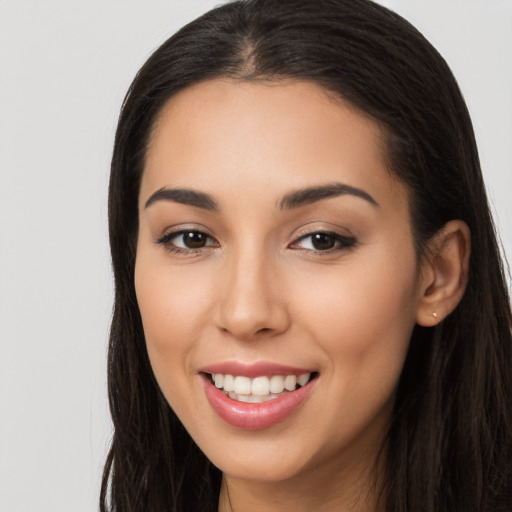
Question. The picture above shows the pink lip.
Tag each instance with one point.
(255, 416)
(252, 370)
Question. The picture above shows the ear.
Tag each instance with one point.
(444, 273)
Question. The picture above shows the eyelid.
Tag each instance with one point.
(166, 239)
(342, 242)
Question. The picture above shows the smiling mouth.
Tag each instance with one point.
(259, 389)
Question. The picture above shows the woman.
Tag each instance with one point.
(310, 308)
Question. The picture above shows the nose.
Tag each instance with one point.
(252, 300)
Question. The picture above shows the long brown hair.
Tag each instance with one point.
(450, 441)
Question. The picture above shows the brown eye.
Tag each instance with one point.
(187, 240)
(194, 239)
(323, 242)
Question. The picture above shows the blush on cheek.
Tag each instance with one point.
(367, 329)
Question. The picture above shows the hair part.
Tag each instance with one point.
(449, 443)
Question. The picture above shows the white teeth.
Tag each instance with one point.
(251, 399)
(229, 383)
(260, 386)
(302, 380)
(290, 382)
(276, 384)
(259, 389)
(219, 380)
(242, 385)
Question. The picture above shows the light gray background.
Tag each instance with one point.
(64, 69)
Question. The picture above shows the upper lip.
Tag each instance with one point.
(252, 370)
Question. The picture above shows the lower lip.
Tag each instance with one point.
(255, 416)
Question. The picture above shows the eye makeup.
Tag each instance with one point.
(323, 242)
(186, 241)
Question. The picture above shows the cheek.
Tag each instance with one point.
(363, 316)
(173, 312)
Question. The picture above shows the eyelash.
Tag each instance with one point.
(167, 241)
(341, 242)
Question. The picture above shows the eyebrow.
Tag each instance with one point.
(290, 201)
(310, 195)
(184, 196)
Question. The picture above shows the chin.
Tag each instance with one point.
(260, 469)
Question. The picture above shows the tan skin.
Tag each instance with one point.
(262, 289)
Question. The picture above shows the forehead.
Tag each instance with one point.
(227, 104)
(224, 134)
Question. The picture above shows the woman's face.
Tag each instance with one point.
(275, 246)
